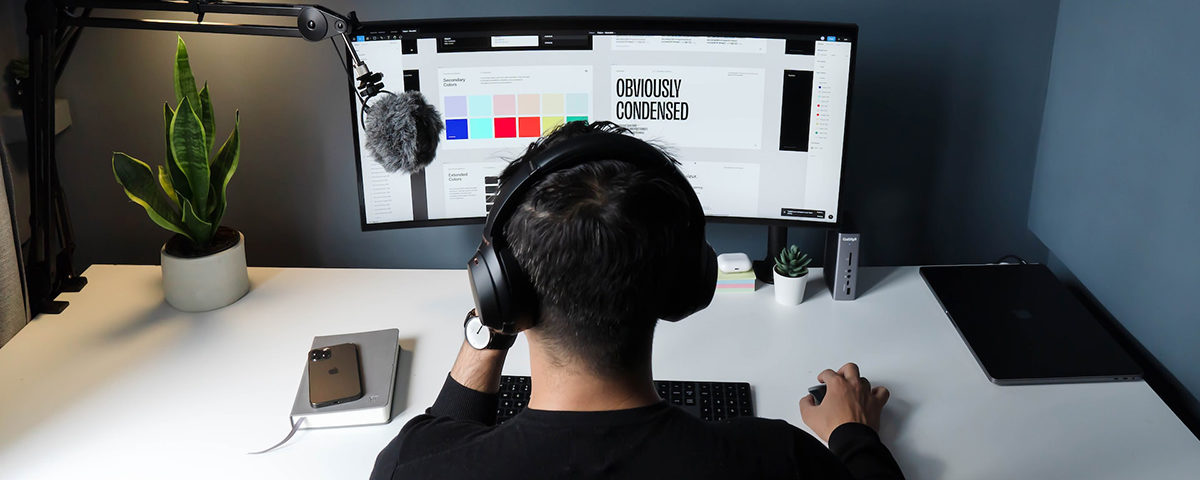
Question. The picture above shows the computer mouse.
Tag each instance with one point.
(818, 391)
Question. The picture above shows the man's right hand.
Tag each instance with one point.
(848, 399)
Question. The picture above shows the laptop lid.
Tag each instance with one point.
(1024, 327)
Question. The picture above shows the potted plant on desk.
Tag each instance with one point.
(791, 272)
(204, 263)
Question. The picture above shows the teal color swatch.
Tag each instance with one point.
(576, 104)
(479, 105)
(480, 127)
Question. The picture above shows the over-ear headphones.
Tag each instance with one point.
(505, 298)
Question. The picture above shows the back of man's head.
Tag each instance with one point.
(597, 241)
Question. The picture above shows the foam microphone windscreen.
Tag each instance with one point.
(402, 131)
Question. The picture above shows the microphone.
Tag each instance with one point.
(402, 131)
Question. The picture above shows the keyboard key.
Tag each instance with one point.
(746, 412)
(689, 401)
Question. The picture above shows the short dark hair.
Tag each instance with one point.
(595, 240)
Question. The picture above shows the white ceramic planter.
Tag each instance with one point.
(206, 283)
(789, 290)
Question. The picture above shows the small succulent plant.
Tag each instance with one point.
(792, 263)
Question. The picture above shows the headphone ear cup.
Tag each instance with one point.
(522, 299)
(488, 286)
(694, 289)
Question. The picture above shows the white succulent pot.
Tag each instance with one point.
(206, 283)
(789, 290)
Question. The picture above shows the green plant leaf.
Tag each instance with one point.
(201, 230)
(164, 179)
(187, 145)
(185, 83)
(223, 167)
(138, 181)
(207, 119)
(178, 180)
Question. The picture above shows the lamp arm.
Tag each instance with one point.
(313, 22)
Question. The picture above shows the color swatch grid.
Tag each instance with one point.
(511, 116)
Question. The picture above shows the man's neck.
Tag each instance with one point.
(574, 388)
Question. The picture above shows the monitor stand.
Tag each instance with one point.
(776, 238)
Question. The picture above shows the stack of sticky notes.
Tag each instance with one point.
(735, 282)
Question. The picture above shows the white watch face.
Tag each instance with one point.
(478, 335)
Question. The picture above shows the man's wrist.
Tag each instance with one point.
(478, 370)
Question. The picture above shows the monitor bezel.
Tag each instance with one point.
(624, 25)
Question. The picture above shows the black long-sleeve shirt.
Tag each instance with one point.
(456, 439)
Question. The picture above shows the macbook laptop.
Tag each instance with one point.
(1025, 327)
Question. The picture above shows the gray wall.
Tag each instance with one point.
(1117, 189)
(945, 120)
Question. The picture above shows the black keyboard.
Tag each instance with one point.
(707, 400)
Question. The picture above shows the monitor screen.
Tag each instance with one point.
(755, 111)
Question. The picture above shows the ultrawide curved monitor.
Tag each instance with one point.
(755, 111)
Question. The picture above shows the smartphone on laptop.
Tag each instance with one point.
(333, 375)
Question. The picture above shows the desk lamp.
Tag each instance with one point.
(54, 27)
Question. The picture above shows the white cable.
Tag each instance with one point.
(295, 427)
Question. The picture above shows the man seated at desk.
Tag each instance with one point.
(611, 238)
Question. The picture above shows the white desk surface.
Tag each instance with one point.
(123, 386)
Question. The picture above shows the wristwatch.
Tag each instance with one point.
(481, 337)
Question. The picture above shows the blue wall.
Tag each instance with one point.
(945, 120)
(1117, 189)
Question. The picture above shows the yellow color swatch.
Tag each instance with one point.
(550, 123)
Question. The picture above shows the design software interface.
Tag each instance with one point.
(756, 120)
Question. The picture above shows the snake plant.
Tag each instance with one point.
(792, 263)
(191, 200)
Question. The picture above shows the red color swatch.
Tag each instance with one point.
(506, 127)
(529, 126)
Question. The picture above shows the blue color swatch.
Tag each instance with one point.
(456, 129)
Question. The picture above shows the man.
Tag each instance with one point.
(593, 239)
